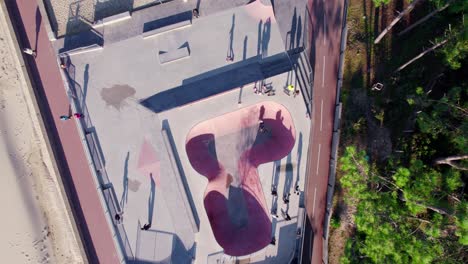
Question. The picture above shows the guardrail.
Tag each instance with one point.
(335, 138)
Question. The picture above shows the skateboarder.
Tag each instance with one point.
(273, 190)
(261, 127)
(146, 227)
(195, 13)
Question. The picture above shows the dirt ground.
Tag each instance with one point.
(364, 66)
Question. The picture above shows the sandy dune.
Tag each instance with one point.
(34, 224)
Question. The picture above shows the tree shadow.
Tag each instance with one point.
(124, 198)
(369, 36)
(313, 35)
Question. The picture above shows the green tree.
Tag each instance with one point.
(402, 218)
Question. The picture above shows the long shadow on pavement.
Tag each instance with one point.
(53, 135)
(219, 81)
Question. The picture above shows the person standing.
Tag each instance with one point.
(65, 117)
(78, 115)
(30, 52)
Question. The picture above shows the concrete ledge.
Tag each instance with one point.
(174, 55)
(161, 30)
(190, 211)
(112, 19)
(90, 48)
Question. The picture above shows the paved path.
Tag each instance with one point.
(326, 20)
(74, 166)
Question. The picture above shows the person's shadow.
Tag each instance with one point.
(231, 38)
(266, 37)
(124, 198)
(151, 200)
(299, 154)
(38, 27)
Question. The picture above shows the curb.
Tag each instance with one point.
(335, 137)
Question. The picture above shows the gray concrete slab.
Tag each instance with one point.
(115, 80)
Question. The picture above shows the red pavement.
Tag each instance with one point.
(325, 43)
(240, 239)
(97, 235)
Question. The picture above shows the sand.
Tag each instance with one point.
(34, 224)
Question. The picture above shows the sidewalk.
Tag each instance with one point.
(68, 148)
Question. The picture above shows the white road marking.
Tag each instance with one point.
(321, 115)
(323, 72)
(313, 207)
(318, 158)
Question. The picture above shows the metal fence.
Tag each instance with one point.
(96, 164)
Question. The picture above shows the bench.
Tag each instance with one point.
(173, 55)
(112, 19)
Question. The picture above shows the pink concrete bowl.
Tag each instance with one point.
(227, 150)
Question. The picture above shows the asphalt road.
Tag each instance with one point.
(68, 148)
(325, 40)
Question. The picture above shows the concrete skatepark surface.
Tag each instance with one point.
(227, 150)
(112, 81)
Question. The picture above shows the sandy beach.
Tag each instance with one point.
(35, 226)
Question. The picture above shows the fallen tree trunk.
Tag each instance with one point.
(450, 161)
(422, 20)
(400, 16)
(421, 54)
